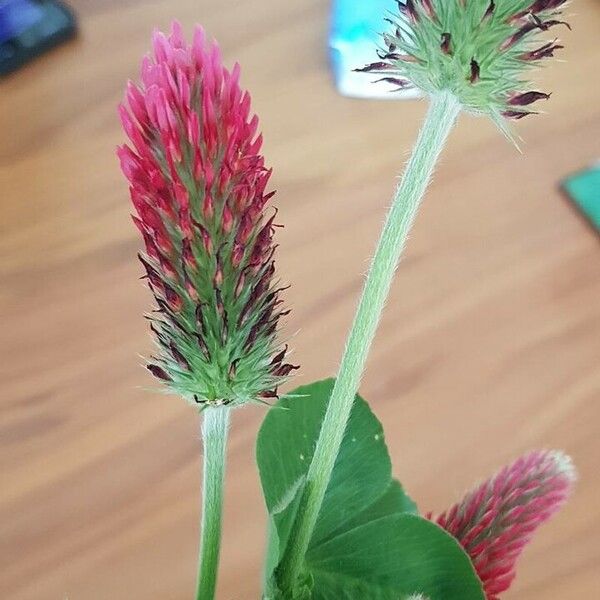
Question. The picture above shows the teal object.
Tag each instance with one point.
(584, 190)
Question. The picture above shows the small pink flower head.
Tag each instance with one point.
(198, 184)
(495, 521)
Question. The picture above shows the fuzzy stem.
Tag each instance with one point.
(440, 118)
(214, 437)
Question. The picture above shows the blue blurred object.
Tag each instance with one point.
(29, 28)
(356, 28)
(16, 16)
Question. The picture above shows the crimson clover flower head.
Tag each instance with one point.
(479, 50)
(496, 520)
(198, 184)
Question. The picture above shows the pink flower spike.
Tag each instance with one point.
(176, 37)
(197, 184)
(496, 520)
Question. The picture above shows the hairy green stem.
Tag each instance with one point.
(215, 426)
(440, 119)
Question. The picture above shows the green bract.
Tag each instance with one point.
(479, 50)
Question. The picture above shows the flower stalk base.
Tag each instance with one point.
(214, 436)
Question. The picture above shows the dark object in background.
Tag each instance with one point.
(29, 28)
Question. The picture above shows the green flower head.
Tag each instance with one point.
(478, 50)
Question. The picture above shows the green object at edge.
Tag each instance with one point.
(584, 190)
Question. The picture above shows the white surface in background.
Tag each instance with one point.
(356, 54)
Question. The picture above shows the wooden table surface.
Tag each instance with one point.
(490, 343)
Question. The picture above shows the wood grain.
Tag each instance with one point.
(490, 344)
